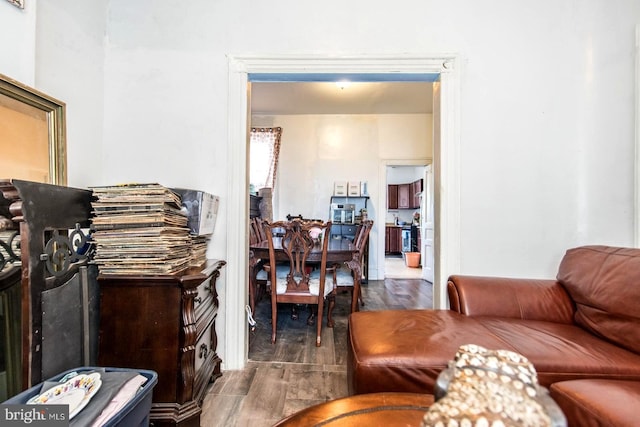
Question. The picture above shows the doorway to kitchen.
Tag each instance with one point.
(404, 203)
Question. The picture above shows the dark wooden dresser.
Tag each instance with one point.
(165, 324)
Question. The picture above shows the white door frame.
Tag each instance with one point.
(427, 225)
(235, 334)
(636, 206)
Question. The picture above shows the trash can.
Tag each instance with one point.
(412, 259)
(134, 413)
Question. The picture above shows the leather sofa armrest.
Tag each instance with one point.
(527, 299)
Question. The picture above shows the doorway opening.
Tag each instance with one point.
(446, 157)
(334, 134)
(404, 254)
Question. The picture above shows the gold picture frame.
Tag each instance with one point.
(33, 143)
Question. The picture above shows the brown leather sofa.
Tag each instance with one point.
(598, 402)
(581, 331)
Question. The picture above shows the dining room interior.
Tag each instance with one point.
(332, 134)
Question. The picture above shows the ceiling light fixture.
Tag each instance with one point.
(343, 84)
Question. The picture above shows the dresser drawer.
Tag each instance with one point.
(204, 295)
(205, 307)
(204, 349)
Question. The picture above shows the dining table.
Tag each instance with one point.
(339, 251)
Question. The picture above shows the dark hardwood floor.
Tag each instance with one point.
(293, 373)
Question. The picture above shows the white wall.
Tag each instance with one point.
(18, 34)
(546, 105)
(70, 56)
(318, 150)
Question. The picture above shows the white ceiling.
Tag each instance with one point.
(284, 98)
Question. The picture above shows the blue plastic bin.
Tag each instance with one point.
(134, 413)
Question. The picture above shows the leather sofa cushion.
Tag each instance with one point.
(604, 283)
(531, 299)
(598, 403)
(405, 350)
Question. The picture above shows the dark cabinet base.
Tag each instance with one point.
(165, 324)
(175, 415)
(393, 240)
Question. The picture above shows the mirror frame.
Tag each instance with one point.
(56, 123)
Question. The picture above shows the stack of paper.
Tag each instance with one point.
(140, 229)
(198, 250)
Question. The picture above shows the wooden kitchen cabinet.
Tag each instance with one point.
(165, 324)
(405, 198)
(386, 239)
(392, 196)
(393, 240)
(416, 190)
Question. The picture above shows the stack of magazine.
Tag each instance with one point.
(140, 229)
(198, 250)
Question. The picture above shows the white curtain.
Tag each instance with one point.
(264, 150)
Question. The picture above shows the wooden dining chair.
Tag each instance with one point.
(300, 217)
(292, 217)
(343, 277)
(301, 280)
(253, 235)
(260, 266)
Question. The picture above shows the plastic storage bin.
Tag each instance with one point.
(134, 413)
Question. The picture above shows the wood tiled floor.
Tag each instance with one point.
(396, 267)
(293, 374)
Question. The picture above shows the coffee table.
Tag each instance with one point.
(375, 409)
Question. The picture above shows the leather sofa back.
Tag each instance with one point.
(604, 283)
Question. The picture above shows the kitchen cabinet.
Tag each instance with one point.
(416, 190)
(405, 198)
(392, 196)
(165, 324)
(392, 239)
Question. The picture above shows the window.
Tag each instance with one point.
(264, 150)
